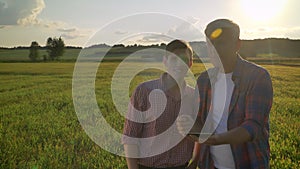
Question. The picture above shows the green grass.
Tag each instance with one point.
(39, 127)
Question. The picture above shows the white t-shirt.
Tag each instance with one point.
(222, 92)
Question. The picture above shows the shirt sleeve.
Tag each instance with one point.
(258, 105)
(134, 129)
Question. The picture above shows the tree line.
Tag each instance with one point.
(270, 47)
(55, 48)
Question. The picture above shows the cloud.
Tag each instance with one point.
(186, 31)
(53, 24)
(67, 29)
(23, 12)
(193, 20)
(262, 29)
(152, 39)
(120, 32)
(72, 35)
(293, 32)
(271, 32)
(3, 5)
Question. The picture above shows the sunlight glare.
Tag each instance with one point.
(262, 10)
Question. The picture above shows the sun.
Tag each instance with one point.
(262, 10)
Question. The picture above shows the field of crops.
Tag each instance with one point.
(39, 127)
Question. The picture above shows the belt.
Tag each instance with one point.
(178, 167)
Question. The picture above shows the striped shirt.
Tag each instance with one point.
(181, 153)
(249, 108)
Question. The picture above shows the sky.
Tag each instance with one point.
(87, 22)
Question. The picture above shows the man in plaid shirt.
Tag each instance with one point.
(235, 97)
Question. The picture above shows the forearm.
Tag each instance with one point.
(196, 152)
(195, 159)
(132, 163)
(131, 151)
(237, 135)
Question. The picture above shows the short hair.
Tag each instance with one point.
(179, 44)
(225, 25)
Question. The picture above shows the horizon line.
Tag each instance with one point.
(138, 44)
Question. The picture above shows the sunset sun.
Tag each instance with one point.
(262, 10)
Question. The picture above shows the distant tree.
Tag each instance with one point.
(119, 45)
(163, 45)
(154, 45)
(55, 48)
(103, 45)
(34, 51)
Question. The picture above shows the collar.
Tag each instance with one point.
(165, 84)
(236, 75)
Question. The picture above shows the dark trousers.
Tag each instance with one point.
(179, 167)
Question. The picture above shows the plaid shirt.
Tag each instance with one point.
(249, 108)
(181, 153)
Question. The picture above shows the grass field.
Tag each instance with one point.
(70, 55)
(39, 126)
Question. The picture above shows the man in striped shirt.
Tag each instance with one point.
(179, 98)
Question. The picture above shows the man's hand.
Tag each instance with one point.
(184, 123)
(192, 165)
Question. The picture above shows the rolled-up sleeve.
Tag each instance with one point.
(258, 105)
